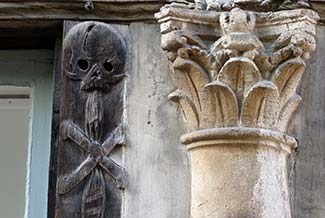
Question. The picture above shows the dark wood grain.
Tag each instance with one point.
(15, 12)
(55, 127)
(91, 117)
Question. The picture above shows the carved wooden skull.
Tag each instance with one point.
(96, 54)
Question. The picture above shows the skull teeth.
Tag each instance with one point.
(93, 84)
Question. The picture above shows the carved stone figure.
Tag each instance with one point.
(255, 5)
(236, 85)
(94, 58)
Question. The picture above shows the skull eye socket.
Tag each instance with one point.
(108, 66)
(83, 64)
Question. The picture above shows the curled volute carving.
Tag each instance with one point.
(94, 56)
(238, 80)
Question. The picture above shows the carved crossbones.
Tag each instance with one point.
(94, 56)
(97, 156)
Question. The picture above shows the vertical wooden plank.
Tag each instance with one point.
(158, 179)
(55, 126)
(308, 125)
(92, 116)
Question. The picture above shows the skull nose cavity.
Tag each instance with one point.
(95, 79)
(95, 72)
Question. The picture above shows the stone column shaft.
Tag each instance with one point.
(235, 176)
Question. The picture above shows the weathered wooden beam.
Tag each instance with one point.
(16, 13)
(12, 12)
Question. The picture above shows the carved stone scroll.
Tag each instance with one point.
(89, 180)
(236, 74)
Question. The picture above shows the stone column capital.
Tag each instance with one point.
(237, 68)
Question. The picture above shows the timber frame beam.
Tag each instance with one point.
(123, 11)
(42, 21)
(16, 13)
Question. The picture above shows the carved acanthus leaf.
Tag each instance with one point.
(287, 112)
(240, 74)
(188, 108)
(220, 105)
(259, 106)
(191, 79)
(287, 77)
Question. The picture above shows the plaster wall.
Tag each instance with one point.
(157, 166)
(307, 171)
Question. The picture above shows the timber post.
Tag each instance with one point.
(89, 180)
(237, 66)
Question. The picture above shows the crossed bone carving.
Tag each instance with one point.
(97, 156)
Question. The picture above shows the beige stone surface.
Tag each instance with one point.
(239, 172)
(234, 181)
